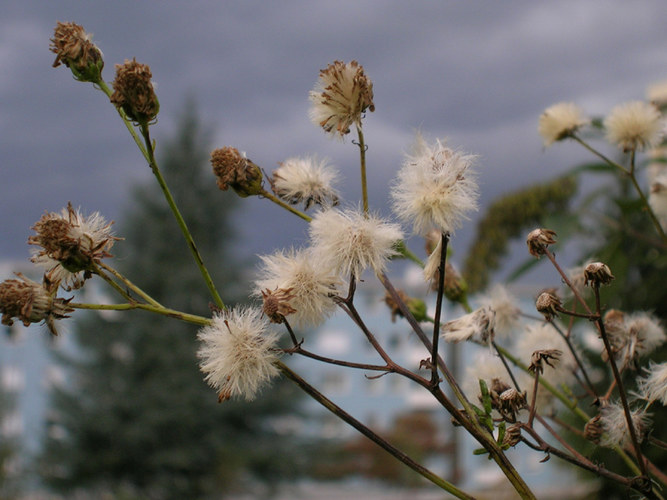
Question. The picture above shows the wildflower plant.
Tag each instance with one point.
(531, 372)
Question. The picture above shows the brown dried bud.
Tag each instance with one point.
(593, 429)
(134, 92)
(512, 436)
(73, 48)
(231, 169)
(276, 304)
(546, 356)
(506, 400)
(597, 273)
(538, 240)
(31, 302)
(417, 307)
(548, 304)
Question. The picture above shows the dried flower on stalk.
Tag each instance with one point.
(560, 121)
(349, 241)
(74, 48)
(311, 285)
(477, 326)
(237, 353)
(307, 181)
(538, 240)
(340, 97)
(506, 400)
(635, 125)
(276, 304)
(234, 170)
(32, 302)
(550, 357)
(593, 429)
(70, 245)
(597, 273)
(632, 335)
(435, 189)
(133, 92)
(512, 436)
(417, 307)
(548, 304)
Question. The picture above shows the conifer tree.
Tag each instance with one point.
(138, 419)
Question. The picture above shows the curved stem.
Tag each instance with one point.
(171, 313)
(129, 284)
(270, 196)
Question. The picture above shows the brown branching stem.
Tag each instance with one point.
(435, 378)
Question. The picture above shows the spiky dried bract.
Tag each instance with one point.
(306, 180)
(615, 426)
(597, 273)
(477, 326)
(341, 95)
(134, 93)
(539, 358)
(74, 48)
(232, 169)
(70, 245)
(548, 304)
(634, 125)
(32, 302)
(237, 353)
(435, 188)
(349, 241)
(538, 240)
(276, 304)
(560, 121)
(653, 387)
(504, 304)
(632, 335)
(311, 285)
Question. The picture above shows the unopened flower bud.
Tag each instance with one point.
(538, 240)
(73, 48)
(276, 304)
(31, 302)
(134, 92)
(597, 273)
(548, 304)
(417, 307)
(234, 170)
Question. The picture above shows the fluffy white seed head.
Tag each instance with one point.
(435, 188)
(237, 354)
(615, 426)
(306, 180)
(477, 326)
(653, 387)
(504, 304)
(349, 241)
(312, 284)
(560, 121)
(634, 125)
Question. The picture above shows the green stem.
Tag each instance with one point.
(129, 284)
(179, 219)
(284, 205)
(353, 422)
(405, 252)
(171, 313)
(362, 160)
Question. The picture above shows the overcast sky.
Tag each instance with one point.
(479, 73)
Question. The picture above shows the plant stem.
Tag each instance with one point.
(130, 285)
(171, 313)
(435, 379)
(362, 160)
(270, 196)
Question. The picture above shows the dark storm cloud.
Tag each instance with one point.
(479, 73)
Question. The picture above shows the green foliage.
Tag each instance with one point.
(139, 421)
(511, 216)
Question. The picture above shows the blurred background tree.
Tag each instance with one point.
(136, 418)
(9, 448)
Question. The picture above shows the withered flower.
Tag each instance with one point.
(538, 240)
(417, 307)
(593, 429)
(234, 170)
(548, 304)
(512, 436)
(32, 302)
(597, 273)
(276, 304)
(133, 92)
(506, 400)
(549, 357)
(73, 48)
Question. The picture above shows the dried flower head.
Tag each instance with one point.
(70, 245)
(632, 335)
(653, 387)
(593, 429)
(231, 169)
(560, 121)
(477, 326)
(597, 273)
(634, 125)
(307, 181)
(276, 304)
(133, 92)
(349, 241)
(237, 353)
(312, 286)
(505, 305)
(435, 188)
(340, 97)
(512, 436)
(506, 400)
(548, 304)
(538, 240)
(615, 427)
(539, 358)
(32, 302)
(74, 48)
(417, 307)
